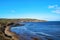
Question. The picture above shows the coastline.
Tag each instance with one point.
(12, 34)
(8, 23)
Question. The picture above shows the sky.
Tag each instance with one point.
(36, 9)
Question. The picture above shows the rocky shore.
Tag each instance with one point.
(13, 35)
(5, 25)
(6, 34)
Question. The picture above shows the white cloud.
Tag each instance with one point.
(51, 6)
(56, 9)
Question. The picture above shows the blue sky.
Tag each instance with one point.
(37, 9)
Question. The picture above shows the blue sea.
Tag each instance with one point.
(41, 30)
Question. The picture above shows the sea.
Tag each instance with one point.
(38, 30)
